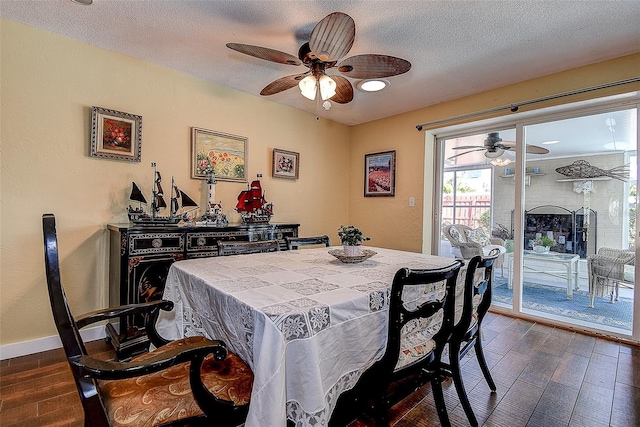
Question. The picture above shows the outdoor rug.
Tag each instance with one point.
(553, 300)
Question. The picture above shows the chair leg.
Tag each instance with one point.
(454, 362)
(438, 397)
(483, 364)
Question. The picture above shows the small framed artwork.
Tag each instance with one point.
(380, 174)
(219, 153)
(115, 135)
(286, 164)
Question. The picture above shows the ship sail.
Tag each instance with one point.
(186, 200)
(136, 194)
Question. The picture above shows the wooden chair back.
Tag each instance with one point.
(68, 330)
(239, 248)
(296, 242)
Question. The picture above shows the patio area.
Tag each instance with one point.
(547, 296)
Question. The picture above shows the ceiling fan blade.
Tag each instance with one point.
(344, 90)
(372, 66)
(466, 147)
(333, 36)
(531, 149)
(282, 84)
(534, 149)
(466, 152)
(265, 53)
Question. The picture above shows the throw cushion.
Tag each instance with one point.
(455, 234)
(477, 235)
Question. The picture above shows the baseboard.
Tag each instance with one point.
(53, 342)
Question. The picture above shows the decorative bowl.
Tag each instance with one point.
(541, 249)
(364, 255)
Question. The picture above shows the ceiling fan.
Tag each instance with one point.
(330, 40)
(494, 147)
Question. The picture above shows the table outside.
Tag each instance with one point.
(307, 324)
(532, 261)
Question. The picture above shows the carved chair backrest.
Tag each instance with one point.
(477, 292)
(296, 242)
(441, 297)
(239, 248)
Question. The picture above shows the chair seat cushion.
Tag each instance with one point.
(417, 343)
(166, 396)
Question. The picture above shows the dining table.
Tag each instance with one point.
(308, 322)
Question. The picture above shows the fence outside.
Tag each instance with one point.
(469, 209)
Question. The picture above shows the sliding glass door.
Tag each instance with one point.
(561, 193)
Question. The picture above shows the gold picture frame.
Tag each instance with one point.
(115, 135)
(219, 153)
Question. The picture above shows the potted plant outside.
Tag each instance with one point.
(351, 238)
(543, 244)
(505, 234)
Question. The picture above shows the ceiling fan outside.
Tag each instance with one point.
(494, 147)
(330, 40)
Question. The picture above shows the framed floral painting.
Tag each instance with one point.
(286, 164)
(219, 153)
(115, 135)
(380, 174)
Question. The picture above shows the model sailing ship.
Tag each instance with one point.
(178, 200)
(252, 206)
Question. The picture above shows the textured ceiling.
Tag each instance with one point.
(456, 48)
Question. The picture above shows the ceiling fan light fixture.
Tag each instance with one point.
(494, 154)
(308, 87)
(500, 162)
(327, 87)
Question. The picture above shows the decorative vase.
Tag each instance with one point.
(352, 250)
(508, 245)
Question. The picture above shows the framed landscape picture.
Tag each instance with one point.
(380, 174)
(115, 135)
(219, 153)
(285, 164)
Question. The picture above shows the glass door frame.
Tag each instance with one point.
(521, 120)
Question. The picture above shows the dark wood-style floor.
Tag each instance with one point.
(546, 377)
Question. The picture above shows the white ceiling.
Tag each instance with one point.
(456, 48)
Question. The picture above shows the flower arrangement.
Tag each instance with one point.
(544, 241)
(350, 235)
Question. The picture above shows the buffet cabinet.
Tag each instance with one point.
(140, 257)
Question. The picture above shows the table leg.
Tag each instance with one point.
(570, 280)
(510, 272)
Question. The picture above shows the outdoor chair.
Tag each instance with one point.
(607, 269)
(296, 242)
(240, 248)
(467, 242)
(470, 311)
(420, 324)
(153, 388)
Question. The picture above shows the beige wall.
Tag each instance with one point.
(390, 221)
(49, 84)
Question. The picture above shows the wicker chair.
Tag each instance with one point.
(467, 243)
(606, 272)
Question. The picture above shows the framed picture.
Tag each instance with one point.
(115, 135)
(285, 164)
(224, 155)
(380, 174)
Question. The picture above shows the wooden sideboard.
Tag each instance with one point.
(140, 257)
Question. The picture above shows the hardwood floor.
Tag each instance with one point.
(546, 377)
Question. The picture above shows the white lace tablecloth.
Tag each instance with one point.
(306, 323)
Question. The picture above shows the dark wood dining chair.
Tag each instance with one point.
(296, 242)
(150, 389)
(239, 248)
(466, 334)
(418, 330)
